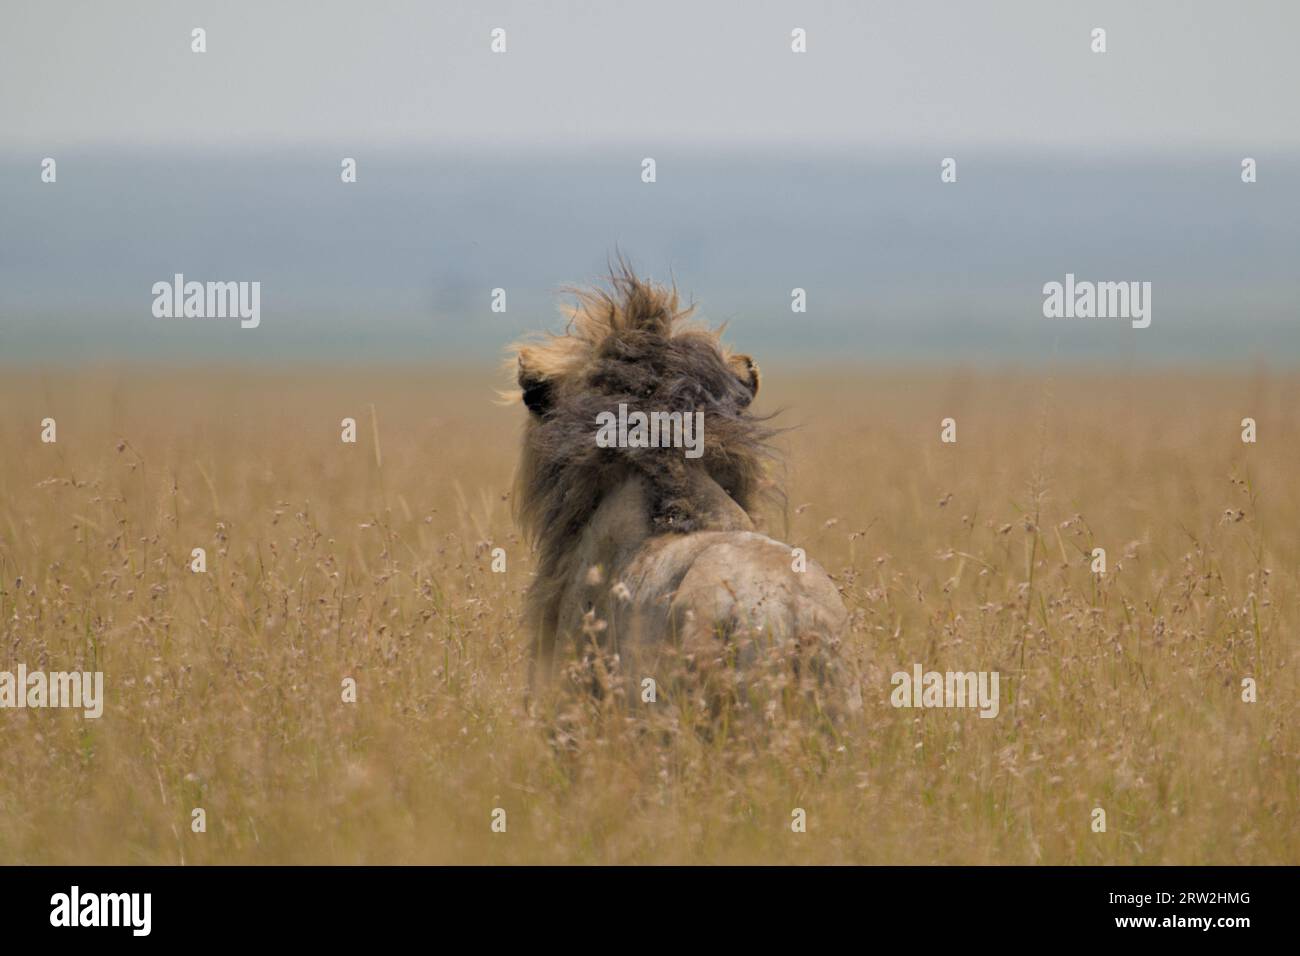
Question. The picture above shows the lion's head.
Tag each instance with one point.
(631, 342)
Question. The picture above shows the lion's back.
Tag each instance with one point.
(705, 590)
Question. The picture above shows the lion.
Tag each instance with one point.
(647, 552)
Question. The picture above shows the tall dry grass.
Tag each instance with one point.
(372, 561)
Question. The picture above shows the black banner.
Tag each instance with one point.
(339, 905)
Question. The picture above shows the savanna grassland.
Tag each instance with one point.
(373, 561)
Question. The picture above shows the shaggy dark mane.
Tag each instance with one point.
(631, 342)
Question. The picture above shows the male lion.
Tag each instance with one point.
(647, 552)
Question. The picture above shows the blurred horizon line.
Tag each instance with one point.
(434, 255)
(271, 366)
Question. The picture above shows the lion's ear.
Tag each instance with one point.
(536, 389)
(746, 369)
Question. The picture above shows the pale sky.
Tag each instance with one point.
(582, 74)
